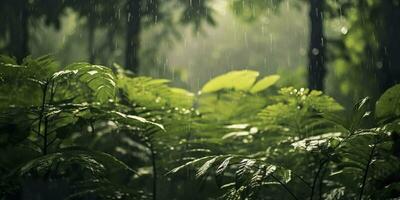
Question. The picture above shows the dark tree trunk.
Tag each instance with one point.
(389, 70)
(18, 45)
(133, 35)
(91, 38)
(389, 73)
(316, 52)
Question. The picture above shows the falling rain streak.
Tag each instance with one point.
(199, 99)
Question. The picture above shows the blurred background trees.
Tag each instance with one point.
(363, 59)
(18, 16)
(350, 49)
(316, 48)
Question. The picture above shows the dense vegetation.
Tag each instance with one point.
(92, 132)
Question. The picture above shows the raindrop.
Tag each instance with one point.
(379, 65)
(315, 51)
(344, 30)
(253, 130)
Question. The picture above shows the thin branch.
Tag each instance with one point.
(52, 141)
(45, 136)
(34, 144)
(321, 182)
(39, 134)
(153, 162)
(371, 155)
(302, 179)
(41, 114)
(285, 187)
(46, 119)
(321, 165)
(51, 132)
(92, 126)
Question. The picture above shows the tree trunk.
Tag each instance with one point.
(316, 52)
(133, 35)
(18, 45)
(389, 70)
(389, 73)
(91, 37)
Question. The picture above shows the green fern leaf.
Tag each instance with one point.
(222, 167)
(206, 166)
(98, 78)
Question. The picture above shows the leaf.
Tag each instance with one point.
(111, 162)
(270, 169)
(180, 98)
(41, 164)
(175, 170)
(221, 168)
(129, 118)
(16, 86)
(264, 83)
(286, 175)
(360, 111)
(98, 78)
(204, 168)
(98, 163)
(154, 93)
(6, 59)
(102, 189)
(389, 103)
(236, 134)
(238, 80)
(62, 73)
(244, 166)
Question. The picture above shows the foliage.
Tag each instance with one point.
(60, 104)
(92, 132)
(303, 142)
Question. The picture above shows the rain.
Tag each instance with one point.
(199, 99)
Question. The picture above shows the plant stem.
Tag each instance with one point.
(41, 114)
(285, 187)
(323, 172)
(153, 163)
(45, 143)
(301, 179)
(371, 155)
(321, 165)
(46, 120)
(92, 126)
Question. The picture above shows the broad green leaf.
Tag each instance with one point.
(238, 80)
(230, 105)
(181, 98)
(389, 103)
(264, 83)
